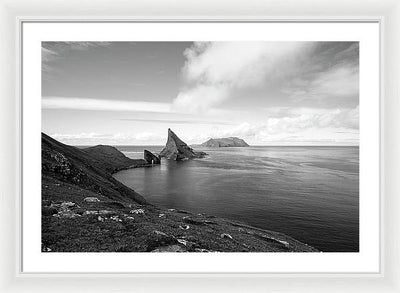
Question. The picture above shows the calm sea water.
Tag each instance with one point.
(309, 193)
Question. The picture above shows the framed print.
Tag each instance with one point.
(204, 147)
(262, 171)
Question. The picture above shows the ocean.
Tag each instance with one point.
(310, 193)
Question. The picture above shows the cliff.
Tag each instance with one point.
(178, 150)
(151, 158)
(224, 142)
(89, 168)
(84, 209)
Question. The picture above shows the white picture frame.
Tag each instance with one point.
(386, 14)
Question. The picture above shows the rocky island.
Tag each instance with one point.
(224, 142)
(178, 150)
(151, 158)
(84, 209)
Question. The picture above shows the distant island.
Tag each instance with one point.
(224, 142)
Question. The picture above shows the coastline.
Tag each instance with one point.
(127, 222)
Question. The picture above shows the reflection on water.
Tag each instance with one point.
(309, 193)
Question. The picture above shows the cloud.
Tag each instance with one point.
(72, 103)
(338, 83)
(292, 126)
(289, 91)
(304, 72)
(197, 122)
(238, 64)
(302, 123)
(147, 136)
(48, 54)
(329, 77)
(51, 51)
(297, 119)
(214, 70)
(62, 47)
(200, 98)
(83, 45)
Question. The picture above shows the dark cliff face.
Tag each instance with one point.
(151, 158)
(178, 150)
(225, 142)
(89, 168)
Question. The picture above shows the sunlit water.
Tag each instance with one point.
(309, 193)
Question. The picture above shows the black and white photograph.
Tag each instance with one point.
(200, 147)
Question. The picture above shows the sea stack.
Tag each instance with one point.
(151, 158)
(178, 150)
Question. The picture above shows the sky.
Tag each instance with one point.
(267, 93)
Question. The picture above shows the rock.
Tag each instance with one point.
(226, 235)
(91, 213)
(182, 241)
(91, 199)
(184, 227)
(284, 243)
(177, 150)
(137, 212)
(49, 211)
(224, 142)
(67, 204)
(151, 158)
(105, 212)
(64, 209)
(66, 214)
(59, 205)
(269, 238)
(170, 248)
(102, 212)
(210, 222)
(62, 166)
(159, 239)
(245, 245)
(201, 250)
(115, 218)
(160, 233)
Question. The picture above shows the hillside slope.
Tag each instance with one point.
(87, 168)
